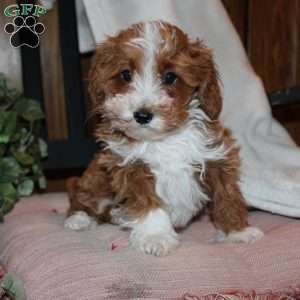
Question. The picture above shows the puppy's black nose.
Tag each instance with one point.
(143, 116)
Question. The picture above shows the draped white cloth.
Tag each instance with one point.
(270, 160)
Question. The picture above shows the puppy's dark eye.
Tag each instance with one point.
(126, 75)
(169, 78)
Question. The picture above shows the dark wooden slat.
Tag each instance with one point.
(53, 83)
(85, 62)
(31, 66)
(73, 154)
(78, 150)
(288, 116)
(71, 67)
(31, 71)
(273, 41)
(286, 109)
(238, 12)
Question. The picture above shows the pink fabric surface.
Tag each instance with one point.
(59, 264)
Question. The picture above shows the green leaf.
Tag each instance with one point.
(3, 116)
(11, 123)
(9, 169)
(21, 149)
(36, 169)
(43, 148)
(13, 287)
(21, 105)
(16, 137)
(23, 158)
(4, 139)
(7, 191)
(23, 136)
(29, 109)
(8, 197)
(25, 188)
(13, 94)
(3, 85)
(42, 182)
(2, 149)
(8, 124)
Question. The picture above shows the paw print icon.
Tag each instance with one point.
(24, 31)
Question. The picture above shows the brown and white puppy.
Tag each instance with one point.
(157, 98)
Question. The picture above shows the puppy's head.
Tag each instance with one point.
(143, 80)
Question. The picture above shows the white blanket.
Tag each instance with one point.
(270, 160)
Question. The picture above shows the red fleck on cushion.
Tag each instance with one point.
(58, 264)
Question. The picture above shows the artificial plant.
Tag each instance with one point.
(21, 148)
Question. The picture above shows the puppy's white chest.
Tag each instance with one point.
(176, 161)
(177, 186)
(174, 164)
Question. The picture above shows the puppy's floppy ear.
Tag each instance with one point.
(205, 72)
(100, 67)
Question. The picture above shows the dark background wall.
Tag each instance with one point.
(270, 31)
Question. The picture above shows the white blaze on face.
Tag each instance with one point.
(145, 89)
(147, 84)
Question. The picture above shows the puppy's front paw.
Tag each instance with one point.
(79, 221)
(119, 217)
(158, 244)
(248, 235)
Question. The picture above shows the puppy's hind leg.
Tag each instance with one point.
(90, 198)
(228, 208)
(80, 216)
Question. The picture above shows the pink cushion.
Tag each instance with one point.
(58, 264)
